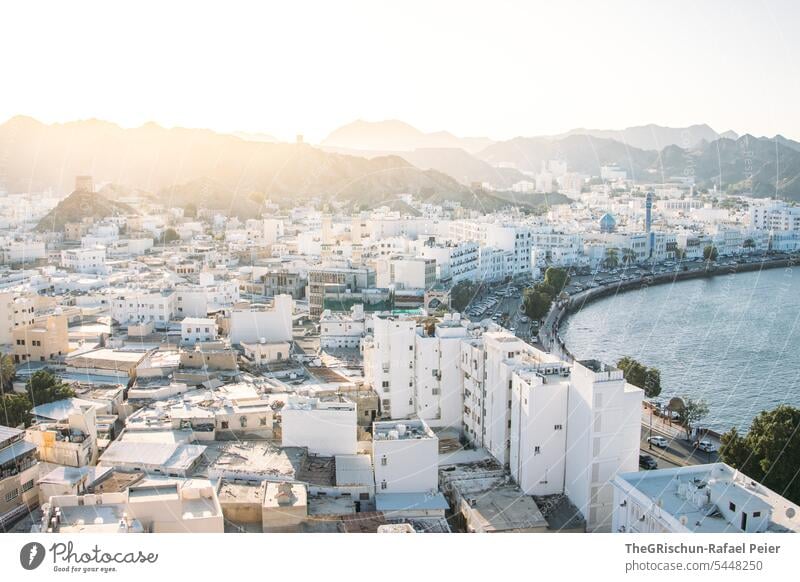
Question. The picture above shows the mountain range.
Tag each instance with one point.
(237, 175)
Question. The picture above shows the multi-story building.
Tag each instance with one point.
(405, 455)
(340, 330)
(455, 261)
(712, 498)
(256, 322)
(333, 283)
(198, 329)
(139, 306)
(325, 427)
(415, 370)
(47, 338)
(16, 310)
(19, 472)
(85, 260)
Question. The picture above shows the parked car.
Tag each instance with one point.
(658, 441)
(707, 446)
(647, 462)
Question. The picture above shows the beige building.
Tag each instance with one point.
(46, 339)
(285, 507)
(19, 471)
(155, 505)
(71, 442)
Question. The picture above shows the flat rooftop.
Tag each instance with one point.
(401, 430)
(692, 495)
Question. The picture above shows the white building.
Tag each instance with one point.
(340, 330)
(155, 505)
(455, 261)
(327, 428)
(198, 329)
(774, 215)
(390, 373)
(405, 455)
(409, 273)
(271, 323)
(85, 260)
(604, 416)
(416, 373)
(712, 498)
(139, 306)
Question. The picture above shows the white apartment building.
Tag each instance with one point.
(327, 428)
(198, 329)
(492, 264)
(556, 248)
(438, 391)
(340, 330)
(604, 426)
(774, 215)
(85, 260)
(405, 455)
(416, 373)
(455, 261)
(139, 306)
(558, 428)
(390, 373)
(273, 324)
(409, 273)
(713, 498)
(208, 295)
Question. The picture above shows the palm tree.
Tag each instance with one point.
(612, 258)
(7, 372)
(628, 256)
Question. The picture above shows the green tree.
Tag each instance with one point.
(710, 253)
(43, 387)
(170, 235)
(536, 303)
(769, 452)
(628, 256)
(7, 372)
(612, 258)
(693, 411)
(557, 279)
(461, 294)
(749, 243)
(15, 409)
(648, 379)
(680, 254)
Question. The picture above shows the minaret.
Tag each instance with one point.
(648, 222)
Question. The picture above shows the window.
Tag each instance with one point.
(558, 427)
(383, 484)
(756, 514)
(536, 450)
(384, 461)
(11, 495)
(28, 485)
(732, 506)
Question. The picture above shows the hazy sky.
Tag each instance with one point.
(475, 68)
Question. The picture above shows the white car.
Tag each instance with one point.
(707, 446)
(658, 441)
